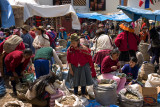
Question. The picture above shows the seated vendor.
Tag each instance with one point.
(110, 66)
(131, 70)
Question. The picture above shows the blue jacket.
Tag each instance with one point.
(28, 40)
(131, 73)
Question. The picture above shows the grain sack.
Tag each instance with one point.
(21, 90)
(63, 57)
(153, 80)
(11, 43)
(105, 92)
(68, 101)
(14, 104)
(143, 48)
(146, 68)
(62, 42)
(130, 98)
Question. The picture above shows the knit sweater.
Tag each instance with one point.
(44, 53)
(47, 53)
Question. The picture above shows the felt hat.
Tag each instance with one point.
(100, 30)
(74, 37)
(26, 27)
(7, 31)
(126, 27)
(40, 28)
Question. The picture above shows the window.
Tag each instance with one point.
(79, 2)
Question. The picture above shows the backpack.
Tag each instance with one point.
(11, 43)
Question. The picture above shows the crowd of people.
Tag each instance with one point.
(112, 48)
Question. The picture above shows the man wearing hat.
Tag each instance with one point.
(27, 38)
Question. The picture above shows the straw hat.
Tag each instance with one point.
(100, 30)
(26, 27)
(126, 27)
(74, 37)
(86, 33)
(40, 28)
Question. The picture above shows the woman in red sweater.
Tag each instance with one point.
(80, 65)
(15, 63)
(110, 66)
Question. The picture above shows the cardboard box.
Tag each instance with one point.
(150, 95)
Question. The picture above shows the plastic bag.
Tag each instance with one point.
(125, 102)
(153, 80)
(106, 95)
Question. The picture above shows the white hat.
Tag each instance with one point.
(48, 26)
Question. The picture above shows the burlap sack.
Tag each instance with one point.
(143, 48)
(146, 69)
(11, 43)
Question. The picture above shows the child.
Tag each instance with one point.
(80, 65)
(131, 70)
(109, 67)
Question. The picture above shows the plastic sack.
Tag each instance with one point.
(77, 102)
(125, 102)
(135, 87)
(84, 101)
(14, 104)
(90, 92)
(106, 95)
(153, 80)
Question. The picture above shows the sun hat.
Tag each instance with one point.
(126, 27)
(26, 27)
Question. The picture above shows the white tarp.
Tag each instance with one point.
(48, 11)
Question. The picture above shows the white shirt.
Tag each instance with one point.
(103, 42)
(40, 41)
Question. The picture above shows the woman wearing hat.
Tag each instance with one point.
(80, 65)
(41, 39)
(102, 41)
(27, 39)
(127, 43)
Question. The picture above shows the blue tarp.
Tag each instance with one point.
(120, 17)
(7, 16)
(100, 17)
(136, 13)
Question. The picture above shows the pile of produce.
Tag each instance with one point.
(131, 96)
(68, 101)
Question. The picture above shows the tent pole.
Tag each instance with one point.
(155, 19)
